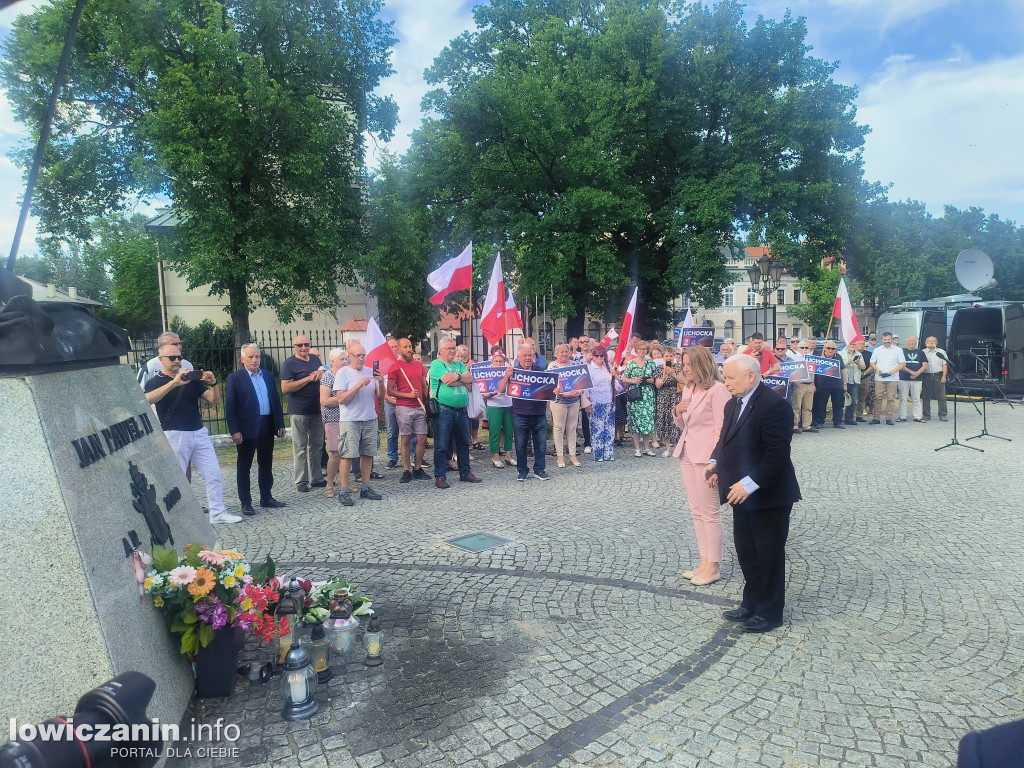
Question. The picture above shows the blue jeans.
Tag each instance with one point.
(525, 427)
(453, 423)
(392, 422)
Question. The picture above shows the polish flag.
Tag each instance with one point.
(377, 349)
(843, 309)
(687, 323)
(627, 329)
(609, 337)
(492, 319)
(512, 317)
(454, 275)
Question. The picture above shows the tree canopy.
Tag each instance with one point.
(602, 145)
(249, 114)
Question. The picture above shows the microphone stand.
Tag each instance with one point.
(984, 414)
(954, 441)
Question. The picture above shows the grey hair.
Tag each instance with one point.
(746, 363)
(250, 345)
(165, 337)
(336, 354)
(523, 346)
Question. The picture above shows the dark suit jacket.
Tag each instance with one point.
(758, 446)
(999, 747)
(242, 408)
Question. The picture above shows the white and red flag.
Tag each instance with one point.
(843, 309)
(609, 337)
(687, 323)
(377, 349)
(492, 318)
(454, 275)
(627, 329)
(512, 317)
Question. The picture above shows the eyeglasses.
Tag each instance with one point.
(833, 349)
(172, 358)
(302, 345)
(801, 347)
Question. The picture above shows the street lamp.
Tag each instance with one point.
(765, 276)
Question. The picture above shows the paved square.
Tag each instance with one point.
(581, 645)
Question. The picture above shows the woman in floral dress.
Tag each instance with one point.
(639, 372)
(667, 383)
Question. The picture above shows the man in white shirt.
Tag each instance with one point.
(886, 361)
(358, 390)
(154, 366)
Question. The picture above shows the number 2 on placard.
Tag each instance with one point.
(514, 390)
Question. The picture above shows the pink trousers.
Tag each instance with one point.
(706, 510)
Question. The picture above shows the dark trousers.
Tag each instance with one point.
(524, 428)
(821, 398)
(760, 539)
(451, 425)
(586, 428)
(262, 447)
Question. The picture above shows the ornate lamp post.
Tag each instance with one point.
(765, 276)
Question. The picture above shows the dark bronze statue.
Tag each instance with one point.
(46, 336)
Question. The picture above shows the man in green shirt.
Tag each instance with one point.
(449, 383)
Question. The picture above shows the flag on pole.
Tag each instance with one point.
(454, 275)
(627, 329)
(512, 317)
(377, 349)
(492, 318)
(843, 309)
(687, 323)
(609, 337)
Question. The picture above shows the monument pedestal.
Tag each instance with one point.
(84, 463)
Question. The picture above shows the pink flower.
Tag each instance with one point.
(182, 575)
(211, 557)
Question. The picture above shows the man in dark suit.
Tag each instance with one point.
(998, 747)
(254, 415)
(753, 472)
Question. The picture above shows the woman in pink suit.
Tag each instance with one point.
(699, 416)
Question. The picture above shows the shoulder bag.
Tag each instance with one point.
(434, 405)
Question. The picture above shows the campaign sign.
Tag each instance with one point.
(778, 384)
(823, 366)
(575, 378)
(694, 337)
(487, 378)
(794, 370)
(533, 385)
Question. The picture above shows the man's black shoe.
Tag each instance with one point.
(890, 422)
(861, 419)
(318, 484)
(302, 488)
(393, 464)
(851, 423)
(248, 510)
(369, 493)
(272, 503)
(838, 426)
(738, 614)
(419, 474)
(757, 625)
(406, 477)
(875, 421)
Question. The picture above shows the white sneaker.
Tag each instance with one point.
(665, 455)
(225, 517)
(588, 449)
(637, 454)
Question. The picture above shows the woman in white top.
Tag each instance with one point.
(499, 416)
(565, 411)
(602, 416)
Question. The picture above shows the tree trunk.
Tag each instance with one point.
(238, 308)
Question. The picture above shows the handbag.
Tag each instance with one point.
(634, 393)
(434, 405)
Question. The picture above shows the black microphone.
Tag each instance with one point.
(942, 357)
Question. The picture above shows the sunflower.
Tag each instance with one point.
(203, 582)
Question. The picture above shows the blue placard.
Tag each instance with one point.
(575, 378)
(697, 337)
(487, 378)
(533, 385)
(778, 384)
(823, 366)
(794, 370)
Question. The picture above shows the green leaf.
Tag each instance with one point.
(164, 560)
(191, 617)
(188, 642)
(178, 625)
(205, 634)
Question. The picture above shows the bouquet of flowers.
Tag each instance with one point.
(204, 591)
(318, 599)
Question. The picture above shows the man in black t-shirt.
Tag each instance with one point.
(176, 399)
(912, 380)
(300, 380)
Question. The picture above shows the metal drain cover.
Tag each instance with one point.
(478, 542)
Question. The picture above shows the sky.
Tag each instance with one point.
(940, 82)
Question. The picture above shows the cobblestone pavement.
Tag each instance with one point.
(579, 644)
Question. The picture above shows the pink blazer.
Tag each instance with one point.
(701, 423)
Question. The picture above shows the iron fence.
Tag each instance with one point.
(209, 354)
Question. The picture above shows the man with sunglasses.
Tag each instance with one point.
(154, 366)
(175, 395)
(300, 380)
(828, 388)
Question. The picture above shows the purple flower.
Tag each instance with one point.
(213, 613)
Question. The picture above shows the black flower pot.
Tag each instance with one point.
(215, 665)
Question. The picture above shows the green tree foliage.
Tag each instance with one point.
(819, 287)
(602, 145)
(396, 258)
(130, 255)
(250, 114)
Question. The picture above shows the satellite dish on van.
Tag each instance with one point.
(973, 269)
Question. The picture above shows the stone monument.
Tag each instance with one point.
(86, 473)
